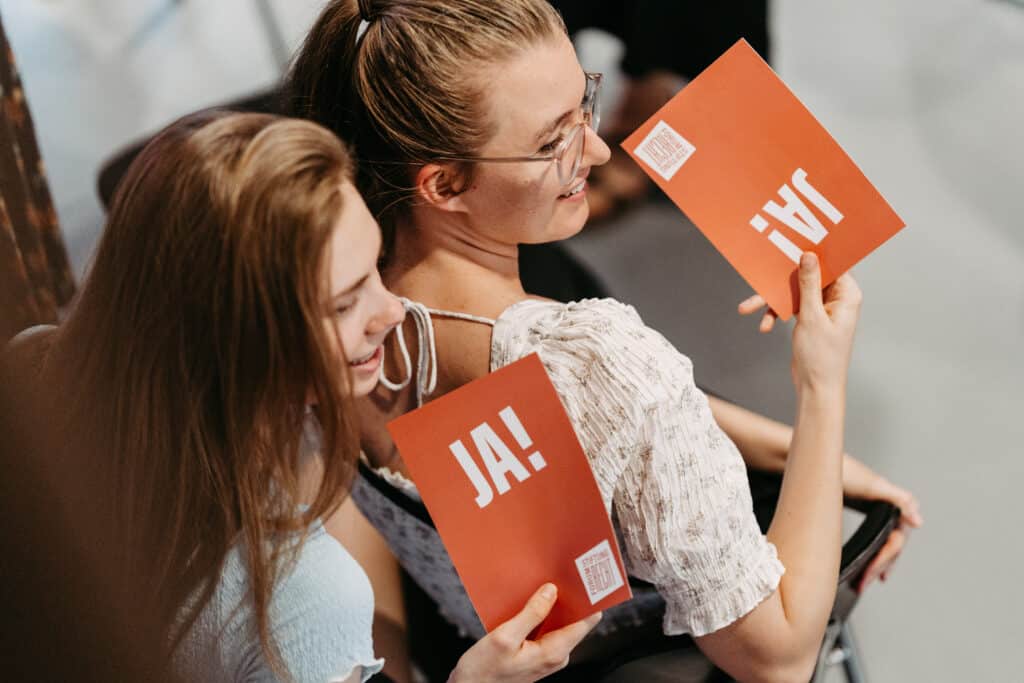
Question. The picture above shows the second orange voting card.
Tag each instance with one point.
(761, 178)
(512, 495)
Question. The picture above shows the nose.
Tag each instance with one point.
(389, 313)
(596, 152)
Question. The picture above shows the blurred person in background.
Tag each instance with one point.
(665, 45)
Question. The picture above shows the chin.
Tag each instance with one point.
(559, 230)
(365, 385)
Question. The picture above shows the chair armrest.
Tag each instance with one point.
(880, 519)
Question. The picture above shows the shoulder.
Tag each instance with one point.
(586, 313)
(593, 334)
(31, 335)
(27, 350)
(23, 359)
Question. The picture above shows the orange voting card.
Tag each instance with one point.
(761, 178)
(512, 495)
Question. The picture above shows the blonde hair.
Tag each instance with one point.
(410, 88)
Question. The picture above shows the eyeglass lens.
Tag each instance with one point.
(572, 155)
(593, 103)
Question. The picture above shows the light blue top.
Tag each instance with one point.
(321, 612)
(321, 616)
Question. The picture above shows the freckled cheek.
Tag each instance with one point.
(526, 194)
(515, 205)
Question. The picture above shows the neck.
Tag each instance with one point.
(438, 261)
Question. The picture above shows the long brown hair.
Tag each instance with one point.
(189, 360)
(410, 89)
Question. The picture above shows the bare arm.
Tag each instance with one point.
(779, 639)
(505, 655)
(371, 551)
(765, 444)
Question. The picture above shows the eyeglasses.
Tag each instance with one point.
(568, 155)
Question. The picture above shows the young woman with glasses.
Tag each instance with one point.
(475, 127)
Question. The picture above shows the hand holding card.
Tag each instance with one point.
(761, 178)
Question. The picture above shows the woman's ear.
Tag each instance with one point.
(441, 186)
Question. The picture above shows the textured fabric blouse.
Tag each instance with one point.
(675, 484)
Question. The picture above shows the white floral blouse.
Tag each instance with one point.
(676, 483)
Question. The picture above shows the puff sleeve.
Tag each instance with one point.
(677, 483)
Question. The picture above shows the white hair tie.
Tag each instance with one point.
(363, 25)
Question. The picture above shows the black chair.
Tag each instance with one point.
(838, 646)
(114, 168)
(435, 645)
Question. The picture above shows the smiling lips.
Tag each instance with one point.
(369, 361)
(575, 190)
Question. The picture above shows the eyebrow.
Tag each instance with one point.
(351, 289)
(557, 123)
(554, 125)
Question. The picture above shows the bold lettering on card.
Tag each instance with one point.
(497, 457)
(818, 199)
(484, 494)
(511, 420)
(795, 215)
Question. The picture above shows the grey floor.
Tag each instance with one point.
(928, 97)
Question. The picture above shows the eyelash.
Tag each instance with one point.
(550, 147)
(343, 308)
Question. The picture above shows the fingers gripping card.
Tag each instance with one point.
(761, 178)
(510, 490)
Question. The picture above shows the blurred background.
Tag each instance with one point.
(927, 97)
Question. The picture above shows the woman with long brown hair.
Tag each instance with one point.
(475, 126)
(207, 373)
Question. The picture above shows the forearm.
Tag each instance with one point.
(779, 639)
(764, 445)
(807, 526)
(763, 442)
(390, 642)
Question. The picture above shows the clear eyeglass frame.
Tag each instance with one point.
(568, 155)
